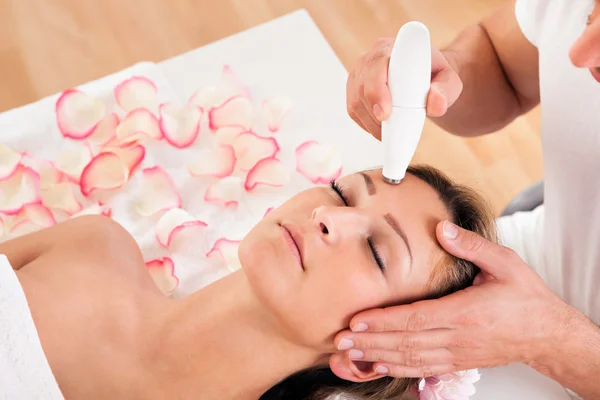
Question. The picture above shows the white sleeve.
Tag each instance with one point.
(530, 15)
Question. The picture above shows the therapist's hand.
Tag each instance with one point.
(368, 98)
(507, 316)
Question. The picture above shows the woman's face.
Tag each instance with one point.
(312, 261)
(585, 52)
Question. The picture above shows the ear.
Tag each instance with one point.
(354, 371)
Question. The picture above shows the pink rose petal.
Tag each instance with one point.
(106, 171)
(9, 161)
(61, 196)
(172, 223)
(78, 114)
(269, 172)
(226, 192)
(72, 162)
(132, 156)
(206, 98)
(95, 209)
(218, 163)
(2, 228)
(49, 174)
(158, 192)
(232, 84)
(268, 211)
(227, 251)
(35, 213)
(179, 125)
(162, 271)
(139, 124)
(136, 92)
(276, 109)
(106, 130)
(18, 190)
(228, 134)
(237, 111)
(318, 162)
(251, 148)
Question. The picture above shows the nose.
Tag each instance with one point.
(336, 224)
(585, 52)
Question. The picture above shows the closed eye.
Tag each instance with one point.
(340, 192)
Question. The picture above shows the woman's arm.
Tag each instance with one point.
(78, 234)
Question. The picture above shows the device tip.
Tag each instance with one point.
(391, 181)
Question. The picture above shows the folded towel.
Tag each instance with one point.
(24, 370)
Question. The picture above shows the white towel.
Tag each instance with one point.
(24, 370)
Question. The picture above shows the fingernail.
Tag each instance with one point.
(360, 327)
(356, 354)
(346, 344)
(450, 230)
(378, 112)
(381, 370)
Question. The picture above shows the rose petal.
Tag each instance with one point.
(214, 96)
(172, 222)
(37, 214)
(228, 134)
(218, 162)
(225, 192)
(162, 271)
(139, 124)
(77, 114)
(207, 98)
(106, 171)
(268, 211)
(251, 148)
(269, 172)
(318, 162)
(179, 125)
(61, 196)
(18, 190)
(49, 174)
(227, 251)
(237, 111)
(158, 192)
(132, 156)
(72, 162)
(276, 109)
(95, 209)
(136, 92)
(9, 161)
(2, 228)
(106, 130)
(24, 227)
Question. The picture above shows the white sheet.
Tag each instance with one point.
(287, 56)
(24, 370)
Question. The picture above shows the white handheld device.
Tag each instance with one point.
(409, 80)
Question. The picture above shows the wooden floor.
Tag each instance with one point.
(49, 45)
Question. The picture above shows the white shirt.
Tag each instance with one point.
(570, 106)
(560, 240)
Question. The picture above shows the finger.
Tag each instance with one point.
(377, 97)
(394, 341)
(356, 111)
(490, 257)
(402, 371)
(418, 358)
(419, 316)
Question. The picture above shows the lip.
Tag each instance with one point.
(595, 73)
(295, 242)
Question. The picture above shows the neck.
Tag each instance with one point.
(221, 342)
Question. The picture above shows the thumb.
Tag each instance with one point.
(446, 85)
(490, 257)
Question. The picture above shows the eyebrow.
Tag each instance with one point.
(389, 218)
(369, 184)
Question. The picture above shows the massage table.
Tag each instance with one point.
(286, 56)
